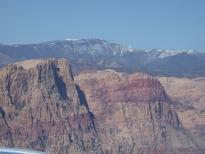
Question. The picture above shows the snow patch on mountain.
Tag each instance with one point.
(71, 39)
(163, 53)
(51, 44)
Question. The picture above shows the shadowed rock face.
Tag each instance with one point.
(42, 108)
(134, 114)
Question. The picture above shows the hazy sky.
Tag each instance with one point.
(139, 23)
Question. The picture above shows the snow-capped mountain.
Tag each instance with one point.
(86, 54)
(162, 53)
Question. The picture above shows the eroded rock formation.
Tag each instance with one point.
(40, 109)
(43, 108)
(188, 96)
(134, 114)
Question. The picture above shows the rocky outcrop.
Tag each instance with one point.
(134, 114)
(189, 98)
(40, 109)
(43, 108)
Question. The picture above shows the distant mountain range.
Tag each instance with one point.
(89, 54)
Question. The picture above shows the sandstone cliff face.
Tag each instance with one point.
(134, 114)
(188, 96)
(40, 109)
(43, 108)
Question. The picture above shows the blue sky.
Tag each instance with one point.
(140, 23)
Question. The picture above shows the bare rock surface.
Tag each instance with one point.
(40, 109)
(43, 108)
(188, 96)
(135, 115)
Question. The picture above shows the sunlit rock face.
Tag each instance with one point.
(40, 108)
(188, 95)
(134, 114)
(43, 108)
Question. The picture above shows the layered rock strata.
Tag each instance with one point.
(43, 108)
(134, 114)
(40, 109)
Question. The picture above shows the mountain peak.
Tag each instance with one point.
(163, 53)
(95, 53)
(40, 107)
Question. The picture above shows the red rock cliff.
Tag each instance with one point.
(134, 114)
(40, 108)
